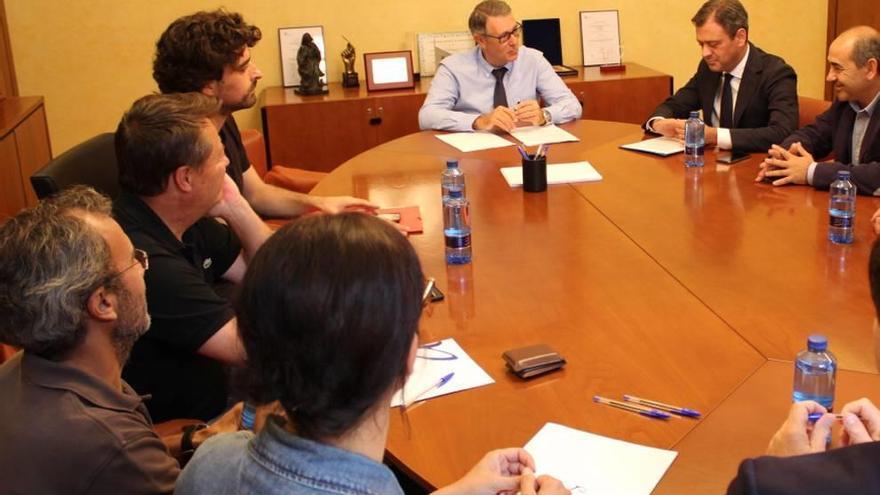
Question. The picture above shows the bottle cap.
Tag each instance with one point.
(843, 174)
(695, 114)
(817, 343)
(451, 163)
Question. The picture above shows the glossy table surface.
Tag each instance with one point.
(682, 285)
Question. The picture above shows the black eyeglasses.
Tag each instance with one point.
(140, 258)
(505, 37)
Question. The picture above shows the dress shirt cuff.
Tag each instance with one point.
(650, 125)
(723, 138)
(810, 170)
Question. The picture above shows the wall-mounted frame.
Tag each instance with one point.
(600, 37)
(290, 39)
(389, 70)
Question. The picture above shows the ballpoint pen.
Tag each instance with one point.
(813, 417)
(540, 152)
(438, 384)
(428, 287)
(681, 411)
(543, 152)
(522, 152)
(644, 411)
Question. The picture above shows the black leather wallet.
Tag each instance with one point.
(534, 360)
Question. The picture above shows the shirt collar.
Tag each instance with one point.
(140, 215)
(488, 68)
(737, 71)
(869, 109)
(60, 376)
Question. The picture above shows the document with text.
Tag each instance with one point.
(588, 463)
(474, 141)
(663, 146)
(558, 173)
(547, 134)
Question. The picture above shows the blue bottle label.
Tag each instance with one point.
(458, 241)
(840, 222)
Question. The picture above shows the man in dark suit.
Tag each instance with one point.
(748, 97)
(850, 129)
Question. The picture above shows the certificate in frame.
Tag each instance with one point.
(600, 37)
(290, 39)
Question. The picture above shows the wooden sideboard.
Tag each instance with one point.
(320, 132)
(24, 148)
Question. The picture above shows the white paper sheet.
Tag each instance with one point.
(427, 372)
(663, 146)
(588, 463)
(558, 173)
(474, 141)
(535, 135)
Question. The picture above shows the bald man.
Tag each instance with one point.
(848, 131)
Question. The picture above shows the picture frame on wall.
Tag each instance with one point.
(290, 39)
(389, 70)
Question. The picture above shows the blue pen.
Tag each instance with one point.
(440, 383)
(522, 152)
(681, 411)
(644, 411)
(813, 417)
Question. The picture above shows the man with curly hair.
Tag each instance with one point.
(209, 52)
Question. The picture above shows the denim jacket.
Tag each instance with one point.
(276, 462)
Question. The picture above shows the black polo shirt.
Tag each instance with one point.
(185, 311)
(238, 159)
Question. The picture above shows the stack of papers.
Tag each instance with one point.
(433, 362)
(588, 463)
(536, 135)
(474, 141)
(558, 173)
(663, 146)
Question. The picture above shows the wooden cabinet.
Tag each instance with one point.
(24, 148)
(322, 131)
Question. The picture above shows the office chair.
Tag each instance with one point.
(91, 162)
(810, 108)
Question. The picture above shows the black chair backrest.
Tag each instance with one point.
(92, 163)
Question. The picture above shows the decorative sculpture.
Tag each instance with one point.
(308, 60)
(349, 77)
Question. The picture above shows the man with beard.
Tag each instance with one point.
(209, 52)
(72, 297)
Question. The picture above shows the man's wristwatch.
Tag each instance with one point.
(187, 449)
(548, 119)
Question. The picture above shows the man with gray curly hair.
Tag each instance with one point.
(72, 297)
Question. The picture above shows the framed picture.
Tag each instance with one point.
(600, 37)
(389, 70)
(290, 39)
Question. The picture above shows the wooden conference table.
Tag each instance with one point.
(694, 287)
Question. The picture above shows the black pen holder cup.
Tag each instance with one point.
(534, 172)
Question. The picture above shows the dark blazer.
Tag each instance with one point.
(854, 469)
(832, 133)
(766, 105)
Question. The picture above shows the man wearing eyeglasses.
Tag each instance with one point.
(72, 297)
(497, 84)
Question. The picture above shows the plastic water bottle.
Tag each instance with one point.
(841, 209)
(457, 228)
(694, 140)
(452, 179)
(248, 416)
(815, 372)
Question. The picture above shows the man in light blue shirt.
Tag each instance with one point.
(496, 85)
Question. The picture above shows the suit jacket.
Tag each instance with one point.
(854, 469)
(832, 133)
(766, 108)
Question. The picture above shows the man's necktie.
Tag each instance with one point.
(500, 98)
(726, 117)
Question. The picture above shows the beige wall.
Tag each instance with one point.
(92, 58)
